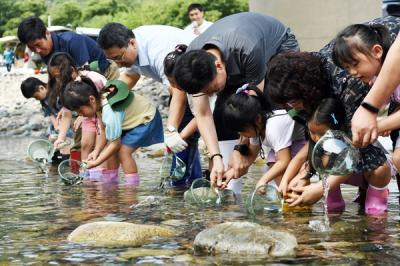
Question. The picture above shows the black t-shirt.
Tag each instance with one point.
(247, 42)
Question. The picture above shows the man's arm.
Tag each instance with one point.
(205, 123)
(363, 123)
(130, 79)
(177, 107)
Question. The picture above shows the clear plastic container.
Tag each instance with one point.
(202, 193)
(265, 198)
(72, 171)
(167, 173)
(334, 154)
(41, 151)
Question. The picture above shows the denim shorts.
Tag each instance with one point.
(145, 134)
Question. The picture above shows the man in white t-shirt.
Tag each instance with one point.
(142, 51)
(196, 16)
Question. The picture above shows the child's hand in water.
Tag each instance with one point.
(228, 176)
(260, 185)
(93, 155)
(309, 195)
(59, 143)
(283, 188)
(90, 164)
(300, 180)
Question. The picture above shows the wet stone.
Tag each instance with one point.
(144, 252)
(245, 238)
(116, 234)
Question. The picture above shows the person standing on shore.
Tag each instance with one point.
(8, 58)
(196, 16)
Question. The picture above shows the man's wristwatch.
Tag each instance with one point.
(370, 107)
(243, 149)
(171, 129)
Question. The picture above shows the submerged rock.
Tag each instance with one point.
(245, 238)
(144, 252)
(115, 234)
(149, 201)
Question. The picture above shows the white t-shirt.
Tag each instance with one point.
(211, 99)
(280, 131)
(154, 42)
(202, 28)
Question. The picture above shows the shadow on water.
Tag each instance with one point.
(38, 213)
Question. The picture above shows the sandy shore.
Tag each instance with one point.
(23, 117)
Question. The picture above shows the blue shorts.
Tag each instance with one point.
(145, 134)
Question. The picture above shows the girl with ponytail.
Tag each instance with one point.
(361, 50)
(249, 113)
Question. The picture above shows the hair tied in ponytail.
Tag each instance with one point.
(180, 48)
(243, 89)
(335, 122)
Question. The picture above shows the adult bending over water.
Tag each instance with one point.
(142, 51)
(233, 51)
(301, 80)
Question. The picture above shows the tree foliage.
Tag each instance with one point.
(96, 13)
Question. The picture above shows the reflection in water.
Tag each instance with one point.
(38, 213)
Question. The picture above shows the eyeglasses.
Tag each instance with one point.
(120, 57)
(199, 94)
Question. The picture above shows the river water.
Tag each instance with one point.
(38, 213)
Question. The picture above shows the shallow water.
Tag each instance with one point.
(38, 213)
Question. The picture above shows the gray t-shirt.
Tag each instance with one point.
(247, 41)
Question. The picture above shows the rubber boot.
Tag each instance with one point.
(110, 176)
(376, 201)
(132, 179)
(95, 174)
(335, 200)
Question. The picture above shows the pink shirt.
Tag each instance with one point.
(98, 79)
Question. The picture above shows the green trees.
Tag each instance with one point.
(96, 13)
(12, 11)
(174, 12)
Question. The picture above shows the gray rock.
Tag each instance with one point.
(19, 131)
(245, 238)
(4, 113)
(35, 122)
(117, 234)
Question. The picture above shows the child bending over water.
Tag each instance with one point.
(249, 113)
(361, 50)
(330, 115)
(35, 88)
(130, 120)
(62, 70)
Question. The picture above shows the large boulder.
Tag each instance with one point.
(245, 238)
(116, 234)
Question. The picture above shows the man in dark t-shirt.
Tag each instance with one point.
(84, 50)
(232, 52)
